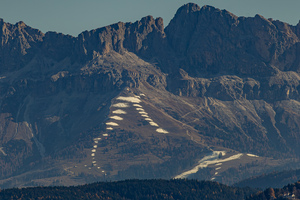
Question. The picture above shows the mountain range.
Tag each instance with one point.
(211, 96)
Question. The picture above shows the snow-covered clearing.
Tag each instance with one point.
(117, 118)
(129, 99)
(137, 105)
(209, 160)
(252, 155)
(160, 130)
(112, 124)
(105, 134)
(121, 105)
(109, 128)
(119, 111)
(153, 124)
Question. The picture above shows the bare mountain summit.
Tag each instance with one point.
(211, 96)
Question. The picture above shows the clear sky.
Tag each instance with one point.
(75, 16)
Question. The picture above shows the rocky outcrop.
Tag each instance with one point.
(210, 41)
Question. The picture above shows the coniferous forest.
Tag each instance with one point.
(133, 189)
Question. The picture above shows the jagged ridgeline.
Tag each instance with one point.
(211, 96)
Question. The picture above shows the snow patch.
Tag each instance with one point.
(129, 99)
(112, 124)
(119, 111)
(109, 128)
(105, 134)
(94, 161)
(142, 94)
(116, 118)
(95, 146)
(97, 139)
(153, 124)
(148, 119)
(1, 150)
(93, 150)
(92, 154)
(141, 109)
(146, 116)
(216, 173)
(252, 155)
(218, 168)
(209, 160)
(160, 130)
(121, 105)
(142, 112)
(137, 105)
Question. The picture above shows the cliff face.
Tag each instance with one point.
(212, 79)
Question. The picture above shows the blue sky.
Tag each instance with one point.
(74, 16)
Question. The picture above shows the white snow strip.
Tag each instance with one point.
(212, 179)
(137, 105)
(94, 161)
(95, 146)
(105, 134)
(143, 113)
(216, 173)
(93, 150)
(119, 111)
(1, 150)
(109, 128)
(96, 141)
(141, 109)
(112, 124)
(252, 155)
(129, 99)
(142, 94)
(116, 118)
(98, 167)
(121, 105)
(218, 168)
(209, 160)
(218, 164)
(97, 138)
(137, 96)
(92, 154)
(148, 119)
(160, 130)
(153, 124)
(146, 116)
